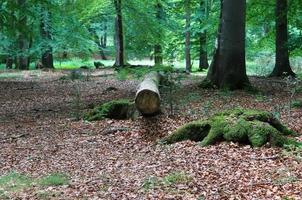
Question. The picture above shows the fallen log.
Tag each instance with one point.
(147, 99)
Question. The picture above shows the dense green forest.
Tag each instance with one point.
(169, 32)
(151, 99)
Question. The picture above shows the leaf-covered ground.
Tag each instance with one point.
(113, 159)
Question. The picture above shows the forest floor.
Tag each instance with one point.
(112, 159)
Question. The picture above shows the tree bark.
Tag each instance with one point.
(9, 62)
(228, 68)
(203, 54)
(282, 66)
(188, 36)
(103, 44)
(22, 61)
(45, 30)
(147, 98)
(119, 37)
(158, 57)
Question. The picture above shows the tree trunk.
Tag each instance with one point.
(9, 62)
(203, 54)
(147, 98)
(188, 36)
(282, 66)
(22, 61)
(158, 57)
(228, 69)
(45, 30)
(119, 37)
(103, 44)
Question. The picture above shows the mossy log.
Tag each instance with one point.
(253, 127)
(147, 99)
(116, 109)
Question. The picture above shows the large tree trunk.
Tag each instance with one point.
(45, 29)
(203, 54)
(119, 37)
(22, 61)
(188, 36)
(158, 57)
(282, 66)
(228, 69)
(147, 98)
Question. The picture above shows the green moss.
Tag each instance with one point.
(259, 133)
(194, 131)
(252, 127)
(116, 109)
(237, 132)
(217, 125)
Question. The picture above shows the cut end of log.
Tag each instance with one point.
(147, 98)
(148, 102)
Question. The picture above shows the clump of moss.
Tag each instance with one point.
(296, 104)
(253, 127)
(116, 109)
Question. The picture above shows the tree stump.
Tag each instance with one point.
(253, 127)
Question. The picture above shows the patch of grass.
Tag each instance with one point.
(293, 152)
(176, 178)
(171, 179)
(10, 75)
(55, 179)
(150, 183)
(14, 181)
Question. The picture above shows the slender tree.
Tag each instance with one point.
(228, 68)
(119, 35)
(158, 57)
(203, 54)
(188, 35)
(282, 66)
(45, 30)
(103, 44)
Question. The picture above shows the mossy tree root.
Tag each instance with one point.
(253, 127)
(116, 109)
